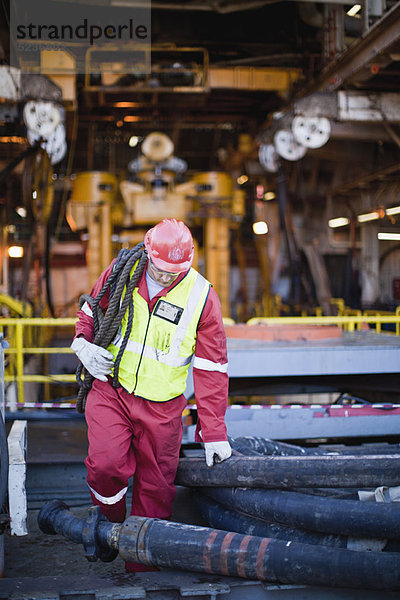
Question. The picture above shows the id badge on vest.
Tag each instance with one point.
(168, 312)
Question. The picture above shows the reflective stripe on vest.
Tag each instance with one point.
(159, 350)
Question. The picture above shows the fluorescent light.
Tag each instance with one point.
(338, 222)
(371, 216)
(133, 141)
(260, 227)
(395, 210)
(15, 252)
(388, 236)
(269, 196)
(21, 211)
(126, 104)
(354, 10)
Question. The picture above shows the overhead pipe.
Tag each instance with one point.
(315, 513)
(292, 471)
(173, 545)
(309, 14)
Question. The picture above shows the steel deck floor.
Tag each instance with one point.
(353, 353)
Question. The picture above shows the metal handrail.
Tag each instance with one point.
(349, 322)
(18, 349)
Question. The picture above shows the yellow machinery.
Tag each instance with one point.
(93, 206)
(218, 205)
(208, 199)
(157, 196)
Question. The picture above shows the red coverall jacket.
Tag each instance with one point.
(210, 386)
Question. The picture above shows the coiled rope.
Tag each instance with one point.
(106, 326)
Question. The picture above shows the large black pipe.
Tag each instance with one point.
(95, 532)
(174, 545)
(292, 471)
(221, 517)
(315, 513)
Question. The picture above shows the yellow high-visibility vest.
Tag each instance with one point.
(161, 344)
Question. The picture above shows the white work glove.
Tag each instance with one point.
(216, 452)
(97, 360)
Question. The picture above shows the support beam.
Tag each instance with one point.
(351, 65)
(363, 182)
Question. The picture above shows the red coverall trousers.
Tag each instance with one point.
(132, 436)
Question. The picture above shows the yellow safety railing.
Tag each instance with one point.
(14, 330)
(384, 313)
(348, 323)
(339, 304)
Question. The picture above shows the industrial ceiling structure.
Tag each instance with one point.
(230, 65)
(228, 82)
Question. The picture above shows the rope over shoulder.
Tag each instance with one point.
(106, 326)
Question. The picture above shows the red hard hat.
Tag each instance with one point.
(170, 246)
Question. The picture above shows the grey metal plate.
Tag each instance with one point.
(354, 353)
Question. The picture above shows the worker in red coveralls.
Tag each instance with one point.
(136, 429)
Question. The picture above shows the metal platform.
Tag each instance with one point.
(361, 352)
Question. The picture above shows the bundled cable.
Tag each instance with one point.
(106, 326)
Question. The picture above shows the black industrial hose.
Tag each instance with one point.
(106, 326)
(256, 446)
(287, 472)
(174, 545)
(94, 532)
(222, 517)
(315, 513)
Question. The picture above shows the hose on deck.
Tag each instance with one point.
(160, 543)
(314, 513)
